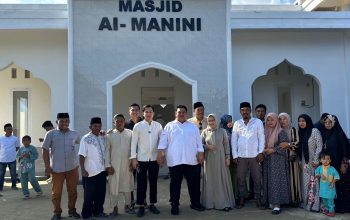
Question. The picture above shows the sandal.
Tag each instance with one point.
(226, 209)
(114, 213)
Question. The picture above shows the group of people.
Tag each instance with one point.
(305, 167)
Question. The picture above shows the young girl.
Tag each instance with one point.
(328, 175)
(26, 156)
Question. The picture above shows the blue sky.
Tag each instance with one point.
(65, 1)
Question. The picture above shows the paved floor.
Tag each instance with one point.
(12, 207)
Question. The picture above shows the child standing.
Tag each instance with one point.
(328, 175)
(26, 156)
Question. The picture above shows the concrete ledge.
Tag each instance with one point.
(290, 20)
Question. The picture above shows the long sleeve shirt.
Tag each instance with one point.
(247, 141)
(145, 139)
(27, 164)
(181, 142)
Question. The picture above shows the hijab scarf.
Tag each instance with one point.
(271, 134)
(304, 135)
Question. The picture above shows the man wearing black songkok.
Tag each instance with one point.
(64, 164)
(92, 164)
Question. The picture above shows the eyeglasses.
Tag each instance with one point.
(200, 125)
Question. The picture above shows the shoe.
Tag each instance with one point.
(129, 210)
(198, 207)
(331, 214)
(114, 213)
(14, 188)
(276, 211)
(56, 217)
(241, 203)
(175, 210)
(141, 211)
(101, 215)
(74, 215)
(154, 209)
(25, 197)
(38, 194)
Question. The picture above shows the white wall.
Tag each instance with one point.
(102, 56)
(319, 53)
(44, 53)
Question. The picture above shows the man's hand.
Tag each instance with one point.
(110, 171)
(134, 163)
(228, 161)
(200, 157)
(160, 158)
(84, 173)
(48, 171)
(211, 147)
(260, 158)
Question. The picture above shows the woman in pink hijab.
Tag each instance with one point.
(275, 166)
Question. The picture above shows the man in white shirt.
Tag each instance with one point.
(92, 164)
(144, 143)
(9, 144)
(248, 140)
(182, 145)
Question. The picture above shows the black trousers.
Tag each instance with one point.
(192, 176)
(151, 168)
(94, 194)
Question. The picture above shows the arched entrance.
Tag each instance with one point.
(286, 88)
(154, 84)
(25, 101)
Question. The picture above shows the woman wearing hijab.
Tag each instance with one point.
(217, 186)
(294, 167)
(310, 146)
(320, 123)
(276, 167)
(337, 144)
(226, 123)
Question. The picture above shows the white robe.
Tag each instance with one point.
(118, 148)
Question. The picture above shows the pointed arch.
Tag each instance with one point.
(287, 87)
